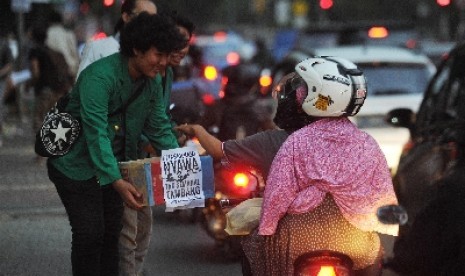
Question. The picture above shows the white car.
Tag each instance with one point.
(397, 78)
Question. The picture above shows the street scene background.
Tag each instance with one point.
(35, 236)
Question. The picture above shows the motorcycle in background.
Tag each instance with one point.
(230, 184)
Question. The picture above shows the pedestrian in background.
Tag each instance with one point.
(6, 67)
(97, 49)
(88, 179)
(64, 41)
(45, 77)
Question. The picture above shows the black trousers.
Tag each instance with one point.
(94, 213)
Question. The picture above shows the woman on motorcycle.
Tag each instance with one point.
(327, 179)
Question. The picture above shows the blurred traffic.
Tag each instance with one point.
(411, 56)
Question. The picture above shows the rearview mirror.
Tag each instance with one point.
(392, 214)
(401, 117)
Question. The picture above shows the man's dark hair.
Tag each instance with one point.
(55, 18)
(39, 33)
(146, 31)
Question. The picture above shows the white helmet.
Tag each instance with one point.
(335, 87)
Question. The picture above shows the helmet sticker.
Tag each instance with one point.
(336, 79)
(323, 102)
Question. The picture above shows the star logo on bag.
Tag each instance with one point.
(60, 132)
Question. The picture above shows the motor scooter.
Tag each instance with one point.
(333, 263)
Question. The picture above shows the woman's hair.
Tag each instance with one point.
(146, 31)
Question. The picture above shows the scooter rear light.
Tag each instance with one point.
(324, 270)
(327, 271)
(323, 263)
(241, 180)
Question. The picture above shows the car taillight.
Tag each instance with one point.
(99, 35)
(265, 81)
(233, 58)
(241, 180)
(208, 99)
(210, 72)
(378, 32)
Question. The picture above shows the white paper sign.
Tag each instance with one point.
(181, 172)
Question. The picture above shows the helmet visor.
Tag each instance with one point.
(288, 84)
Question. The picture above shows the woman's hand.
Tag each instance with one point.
(128, 193)
(209, 142)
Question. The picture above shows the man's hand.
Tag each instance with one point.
(128, 193)
(187, 129)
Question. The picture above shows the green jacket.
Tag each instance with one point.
(101, 88)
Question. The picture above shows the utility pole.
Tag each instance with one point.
(20, 7)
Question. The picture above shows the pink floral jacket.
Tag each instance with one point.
(332, 156)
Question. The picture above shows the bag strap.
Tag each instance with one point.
(137, 91)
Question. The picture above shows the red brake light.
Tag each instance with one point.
(108, 3)
(220, 36)
(326, 4)
(208, 99)
(99, 35)
(233, 58)
(443, 3)
(210, 73)
(241, 180)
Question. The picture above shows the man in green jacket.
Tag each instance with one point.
(88, 179)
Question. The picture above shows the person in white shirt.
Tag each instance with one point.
(64, 41)
(97, 49)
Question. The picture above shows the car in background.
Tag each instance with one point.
(396, 77)
(217, 51)
(435, 50)
(198, 81)
(386, 33)
(437, 135)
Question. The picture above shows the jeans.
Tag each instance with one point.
(134, 240)
(94, 213)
